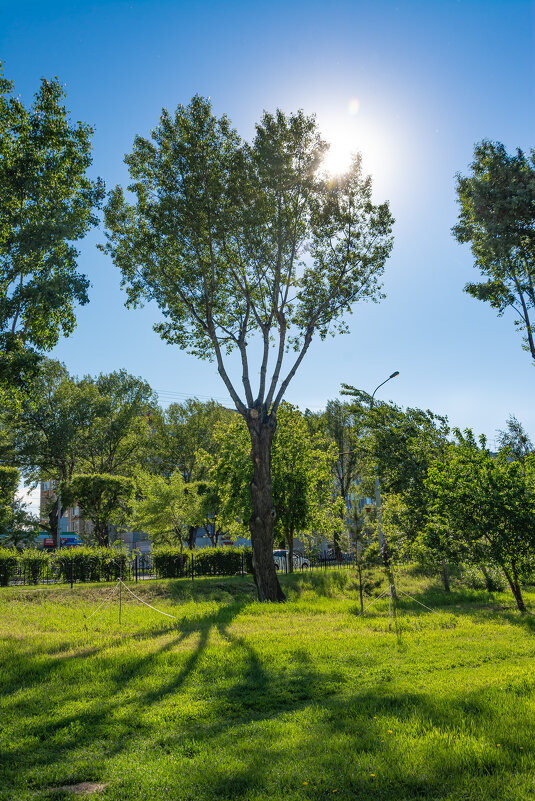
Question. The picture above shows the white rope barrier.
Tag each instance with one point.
(104, 602)
(386, 592)
(418, 602)
(144, 602)
(375, 600)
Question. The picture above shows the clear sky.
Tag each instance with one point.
(412, 85)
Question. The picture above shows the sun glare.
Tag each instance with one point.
(350, 129)
(337, 159)
(343, 141)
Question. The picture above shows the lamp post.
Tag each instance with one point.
(377, 487)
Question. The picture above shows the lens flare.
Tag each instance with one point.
(353, 106)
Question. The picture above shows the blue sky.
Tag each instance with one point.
(431, 79)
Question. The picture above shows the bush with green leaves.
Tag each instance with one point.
(34, 565)
(169, 562)
(8, 565)
(222, 561)
(484, 577)
(91, 564)
(172, 563)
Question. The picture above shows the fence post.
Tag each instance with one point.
(192, 570)
(135, 567)
(242, 564)
(72, 571)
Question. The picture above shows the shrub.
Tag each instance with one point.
(169, 562)
(34, 564)
(91, 564)
(484, 578)
(8, 565)
(223, 561)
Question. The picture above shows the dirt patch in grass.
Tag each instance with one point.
(83, 788)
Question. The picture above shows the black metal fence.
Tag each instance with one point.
(142, 568)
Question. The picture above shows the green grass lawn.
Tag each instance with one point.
(238, 700)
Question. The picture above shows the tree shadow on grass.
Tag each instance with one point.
(476, 604)
(269, 691)
(53, 740)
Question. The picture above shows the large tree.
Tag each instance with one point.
(72, 425)
(183, 430)
(162, 509)
(301, 472)
(46, 203)
(497, 217)
(483, 508)
(396, 446)
(121, 437)
(104, 499)
(244, 246)
(47, 433)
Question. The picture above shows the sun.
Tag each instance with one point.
(340, 131)
(338, 158)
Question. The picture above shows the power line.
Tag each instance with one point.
(168, 394)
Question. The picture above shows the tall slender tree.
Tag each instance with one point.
(302, 479)
(246, 245)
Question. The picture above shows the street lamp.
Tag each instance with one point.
(377, 487)
(394, 374)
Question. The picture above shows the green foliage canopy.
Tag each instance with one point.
(483, 508)
(46, 203)
(218, 232)
(182, 431)
(104, 499)
(161, 508)
(497, 217)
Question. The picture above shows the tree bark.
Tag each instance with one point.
(261, 523)
(388, 569)
(192, 537)
(101, 534)
(512, 578)
(290, 541)
(445, 577)
(53, 523)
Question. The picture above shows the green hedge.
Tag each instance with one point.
(222, 561)
(8, 565)
(90, 563)
(34, 564)
(169, 562)
(108, 564)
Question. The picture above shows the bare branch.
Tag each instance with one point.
(284, 385)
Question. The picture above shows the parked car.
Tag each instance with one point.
(281, 559)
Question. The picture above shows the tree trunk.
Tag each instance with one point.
(445, 577)
(388, 569)
(261, 523)
(53, 523)
(290, 541)
(336, 536)
(361, 594)
(192, 537)
(101, 534)
(512, 578)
